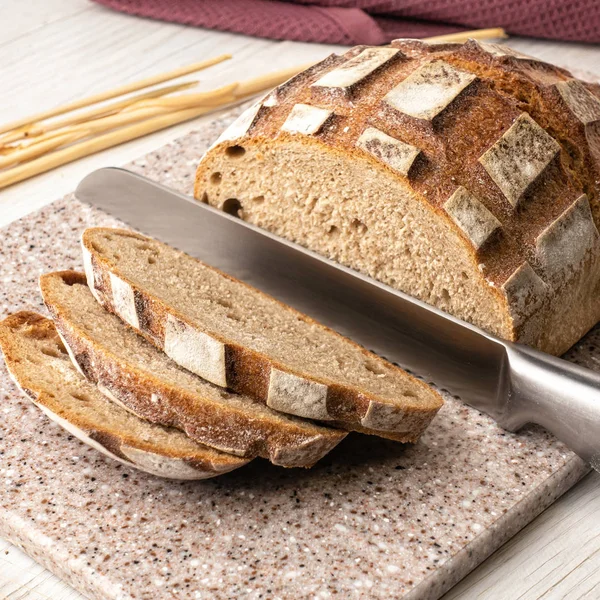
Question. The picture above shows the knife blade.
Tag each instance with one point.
(490, 374)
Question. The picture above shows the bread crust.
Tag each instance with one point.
(119, 444)
(251, 372)
(517, 137)
(288, 442)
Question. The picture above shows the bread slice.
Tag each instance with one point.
(134, 373)
(39, 364)
(236, 336)
(465, 175)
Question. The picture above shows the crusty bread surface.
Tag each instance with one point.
(463, 174)
(40, 366)
(237, 337)
(144, 380)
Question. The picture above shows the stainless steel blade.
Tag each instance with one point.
(436, 346)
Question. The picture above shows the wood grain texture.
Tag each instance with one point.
(54, 51)
(557, 556)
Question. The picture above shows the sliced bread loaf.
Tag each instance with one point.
(137, 375)
(465, 175)
(237, 337)
(39, 364)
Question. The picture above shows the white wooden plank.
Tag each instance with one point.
(21, 578)
(556, 556)
(19, 18)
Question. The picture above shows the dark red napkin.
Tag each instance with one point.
(375, 21)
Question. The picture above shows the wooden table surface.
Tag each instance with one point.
(54, 51)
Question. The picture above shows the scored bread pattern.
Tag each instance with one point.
(275, 96)
(382, 417)
(357, 69)
(513, 164)
(581, 102)
(566, 242)
(270, 99)
(297, 395)
(163, 466)
(474, 219)
(394, 153)
(241, 125)
(306, 119)
(518, 158)
(124, 301)
(89, 271)
(525, 292)
(500, 51)
(195, 350)
(429, 90)
(70, 353)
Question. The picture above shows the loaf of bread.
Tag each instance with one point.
(140, 378)
(465, 175)
(237, 337)
(39, 364)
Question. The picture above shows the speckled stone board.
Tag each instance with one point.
(374, 519)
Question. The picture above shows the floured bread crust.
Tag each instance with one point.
(476, 164)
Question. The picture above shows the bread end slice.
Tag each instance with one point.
(40, 366)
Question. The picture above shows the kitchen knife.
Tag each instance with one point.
(512, 383)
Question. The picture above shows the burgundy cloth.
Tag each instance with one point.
(375, 21)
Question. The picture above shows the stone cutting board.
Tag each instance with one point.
(374, 519)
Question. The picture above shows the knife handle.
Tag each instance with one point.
(560, 396)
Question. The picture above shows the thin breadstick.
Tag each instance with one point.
(127, 117)
(42, 139)
(150, 108)
(93, 145)
(476, 34)
(119, 91)
(186, 100)
(35, 150)
(237, 90)
(38, 129)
